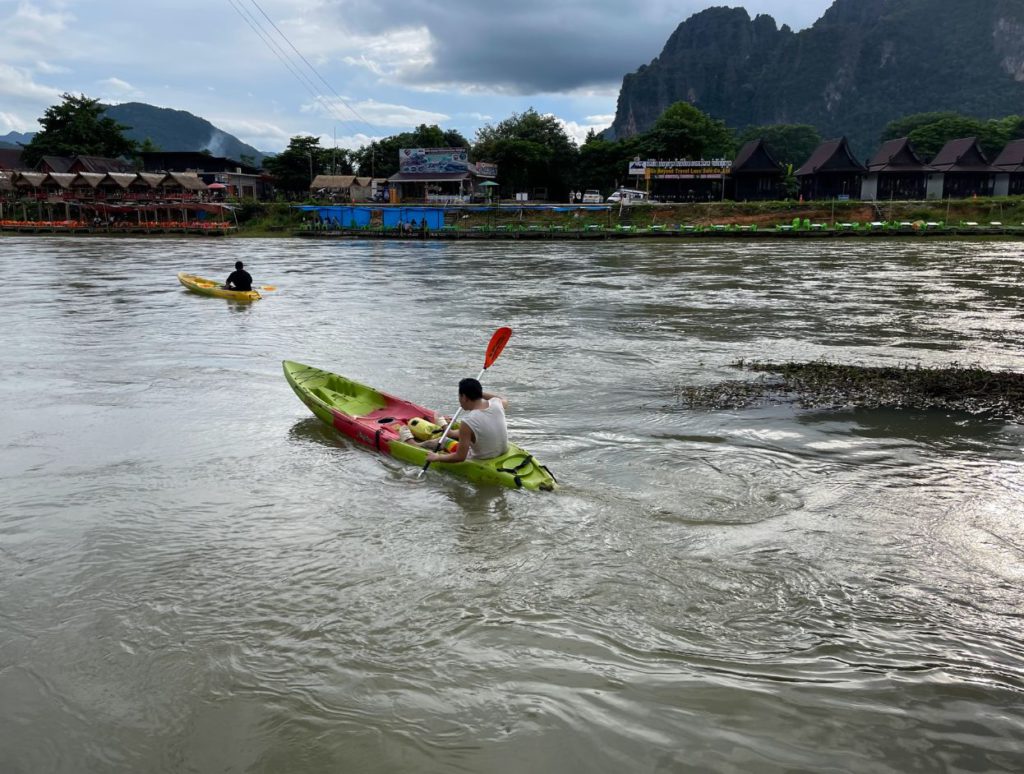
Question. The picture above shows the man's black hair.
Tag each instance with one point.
(238, 265)
(471, 388)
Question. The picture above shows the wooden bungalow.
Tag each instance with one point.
(86, 186)
(130, 185)
(99, 164)
(895, 172)
(58, 164)
(333, 187)
(831, 172)
(345, 188)
(182, 185)
(242, 180)
(961, 170)
(756, 175)
(29, 184)
(1009, 167)
(57, 185)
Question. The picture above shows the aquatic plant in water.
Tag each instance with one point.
(821, 384)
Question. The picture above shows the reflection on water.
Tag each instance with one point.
(196, 574)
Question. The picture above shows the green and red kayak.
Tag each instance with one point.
(373, 418)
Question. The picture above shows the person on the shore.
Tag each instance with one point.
(239, 279)
(482, 434)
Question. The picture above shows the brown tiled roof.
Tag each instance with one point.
(754, 157)
(332, 181)
(831, 156)
(963, 155)
(34, 179)
(123, 179)
(897, 156)
(188, 180)
(56, 163)
(428, 177)
(152, 179)
(101, 164)
(1012, 157)
(63, 179)
(92, 179)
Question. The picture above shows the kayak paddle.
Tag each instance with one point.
(494, 348)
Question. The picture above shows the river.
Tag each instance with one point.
(197, 576)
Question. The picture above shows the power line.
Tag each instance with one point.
(293, 67)
(313, 69)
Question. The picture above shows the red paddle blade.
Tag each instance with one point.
(498, 342)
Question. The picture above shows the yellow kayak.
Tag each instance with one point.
(208, 287)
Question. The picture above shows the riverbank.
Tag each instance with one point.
(988, 217)
(998, 218)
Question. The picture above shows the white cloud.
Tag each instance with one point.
(376, 114)
(9, 122)
(260, 134)
(116, 90)
(579, 131)
(348, 141)
(18, 82)
(48, 68)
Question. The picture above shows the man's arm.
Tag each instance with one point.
(491, 395)
(465, 439)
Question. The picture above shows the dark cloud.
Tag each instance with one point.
(531, 46)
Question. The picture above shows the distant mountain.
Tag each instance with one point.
(177, 130)
(170, 130)
(12, 139)
(862, 64)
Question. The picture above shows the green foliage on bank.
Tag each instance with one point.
(77, 126)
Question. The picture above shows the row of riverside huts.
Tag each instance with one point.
(178, 176)
(896, 171)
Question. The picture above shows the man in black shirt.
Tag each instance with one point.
(239, 279)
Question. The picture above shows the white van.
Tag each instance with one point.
(628, 195)
(592, 196)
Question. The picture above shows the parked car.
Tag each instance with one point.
(592, 196)
(628, 195)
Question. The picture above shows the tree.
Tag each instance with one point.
(380, 157)
(684, 132)
(531, 151)
(295, 167)
(787, 143)
(603, 164)
(76, 127)
(928, 132)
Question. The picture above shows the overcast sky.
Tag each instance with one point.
(268, 70)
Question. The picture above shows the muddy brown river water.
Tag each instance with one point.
(196, 576)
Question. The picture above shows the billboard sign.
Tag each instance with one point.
(681, 169)
(486, 169)
(433, 160)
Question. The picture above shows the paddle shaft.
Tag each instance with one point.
(494, 348)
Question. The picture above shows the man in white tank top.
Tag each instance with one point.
(483, 433)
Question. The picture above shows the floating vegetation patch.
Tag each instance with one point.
(821, 384)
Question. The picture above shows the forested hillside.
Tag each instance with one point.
(862, 65)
